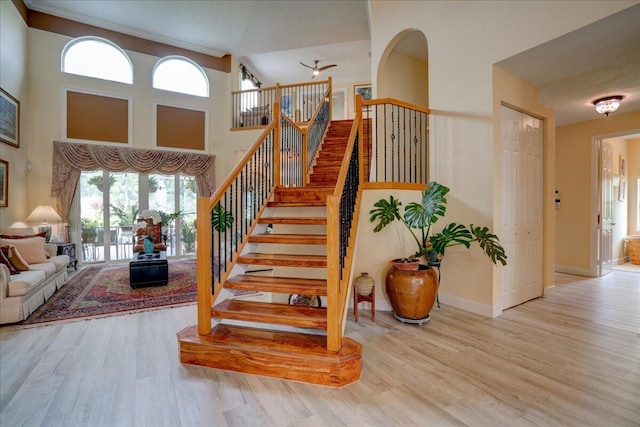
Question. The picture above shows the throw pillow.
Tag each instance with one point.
(31, 248)
(4, 260)
(15, 258)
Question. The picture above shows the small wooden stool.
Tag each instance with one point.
(357, 298)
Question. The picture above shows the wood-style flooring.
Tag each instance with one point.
(572, 359)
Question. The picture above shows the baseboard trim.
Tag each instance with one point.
(576, 271)
(470, 306)
(548, 291)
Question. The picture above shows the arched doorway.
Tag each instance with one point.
(403, 72)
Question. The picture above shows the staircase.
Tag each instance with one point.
(275, 338)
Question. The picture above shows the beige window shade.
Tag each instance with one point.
(97, 118)
(180, 128)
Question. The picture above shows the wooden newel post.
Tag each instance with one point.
(276, 144)
(334, 330)
(203, 265)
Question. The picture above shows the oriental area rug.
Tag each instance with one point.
(100, 291)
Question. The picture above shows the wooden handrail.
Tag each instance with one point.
(278, 85)
(397, 102)
(344, 166)
(215, 197)
(337, 292)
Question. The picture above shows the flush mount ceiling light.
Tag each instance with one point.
(607, 104)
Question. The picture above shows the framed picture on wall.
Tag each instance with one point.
(364, 91)
(623, 166)
(4, 183)
(622, 189)
(286, 105)
(9, 119)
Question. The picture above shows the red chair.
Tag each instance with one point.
(156, 232)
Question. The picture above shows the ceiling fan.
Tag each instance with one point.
(316, 69)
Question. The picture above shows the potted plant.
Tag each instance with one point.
(127, 215)
(188, 235)
(431, 248)
(88, 230)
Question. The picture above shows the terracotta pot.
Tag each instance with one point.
(405, 263)
(412, 293)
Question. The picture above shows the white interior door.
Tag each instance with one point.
(511, 183)
(606, 209)
(522, 180)
(532, 199)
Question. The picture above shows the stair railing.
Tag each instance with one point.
(396, 136)
(342, 220)
(253, 108)
(300, 145)
(318, 126)
(226, 218)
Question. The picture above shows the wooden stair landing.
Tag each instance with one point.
(280, 354)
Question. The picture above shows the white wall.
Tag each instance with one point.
(620, 210)
(13, 79)
(465, 39)
(633, 175)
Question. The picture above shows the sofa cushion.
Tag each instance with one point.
(30, 248)
(25, 282)
(15, 258)
(4, 260)
(59, 261)
(48, 268)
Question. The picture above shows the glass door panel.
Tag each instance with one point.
(188, 205)
(91, 213)
(123, 213)
(162, 198)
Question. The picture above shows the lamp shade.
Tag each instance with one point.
(44, 213)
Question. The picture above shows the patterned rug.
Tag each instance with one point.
(98, 291)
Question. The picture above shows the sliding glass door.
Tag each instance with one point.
(107, 234)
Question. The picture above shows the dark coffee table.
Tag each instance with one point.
(148, 270)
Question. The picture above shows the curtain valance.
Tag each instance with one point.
(69, 159)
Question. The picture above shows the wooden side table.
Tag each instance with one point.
(68, 249)
(371, 298)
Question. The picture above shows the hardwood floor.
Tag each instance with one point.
(572, 359)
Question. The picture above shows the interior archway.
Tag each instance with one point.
(403, 72)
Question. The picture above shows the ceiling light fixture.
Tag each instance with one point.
(607, 104)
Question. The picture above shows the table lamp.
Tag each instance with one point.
(44, 213)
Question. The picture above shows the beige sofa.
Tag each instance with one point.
(21, 294)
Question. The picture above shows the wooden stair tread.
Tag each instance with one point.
(300, 316)
(300, 239)
(293, 220)
(284, 260)
(318, 203)
(278, 284)
(278, 354)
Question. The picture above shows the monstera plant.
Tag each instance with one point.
(412, 286)
(418, 219)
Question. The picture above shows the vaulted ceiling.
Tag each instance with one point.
(271, 37)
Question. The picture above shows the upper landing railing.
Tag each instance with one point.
(254, 108)
(396, 141)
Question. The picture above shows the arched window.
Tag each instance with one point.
(180, 74)
(97, 57)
